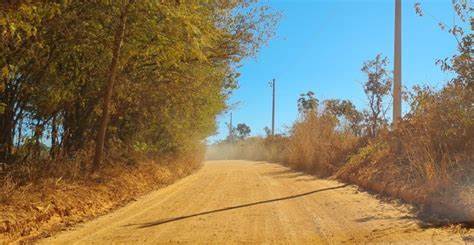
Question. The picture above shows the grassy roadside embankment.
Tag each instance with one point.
(39, 209)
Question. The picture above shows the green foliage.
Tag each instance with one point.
(175, 72)
(243, 130)
(307, 103)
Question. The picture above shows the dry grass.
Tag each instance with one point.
(429, 160)
(29, 210)
(314, 145)
(317, 147)
(379, 168)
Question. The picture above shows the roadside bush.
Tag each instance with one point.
(316, 146)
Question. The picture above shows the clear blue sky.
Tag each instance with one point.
(321, 45)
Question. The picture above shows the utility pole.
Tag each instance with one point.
(272, 84)
(397, 99)
(231, 133)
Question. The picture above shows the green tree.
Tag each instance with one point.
(308, 103)
(243, 130)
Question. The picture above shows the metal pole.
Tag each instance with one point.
(397, 100)
(273, 108)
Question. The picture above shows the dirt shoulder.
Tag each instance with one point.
(38, 210)
(257, 202)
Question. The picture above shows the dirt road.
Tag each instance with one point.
(255, 202)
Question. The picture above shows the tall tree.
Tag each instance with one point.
(112, 74)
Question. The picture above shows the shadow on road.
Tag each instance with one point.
(164, 221)
(372, 218)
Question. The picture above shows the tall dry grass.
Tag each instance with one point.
(438, 135)
(315, 145)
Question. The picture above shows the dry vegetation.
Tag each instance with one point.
(315, 146)
(62, 197)
(427, 161)
(101, 101)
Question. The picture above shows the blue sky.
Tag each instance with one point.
(320, 45)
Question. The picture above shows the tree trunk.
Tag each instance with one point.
(6, 131)
(54, 137)
(6, 122)
(20, 131)
(374, 126)
(38, 133)
(118, 39)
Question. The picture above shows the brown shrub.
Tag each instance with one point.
(438, 135)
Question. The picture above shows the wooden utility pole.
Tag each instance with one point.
(272, 84)
(397, 99)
